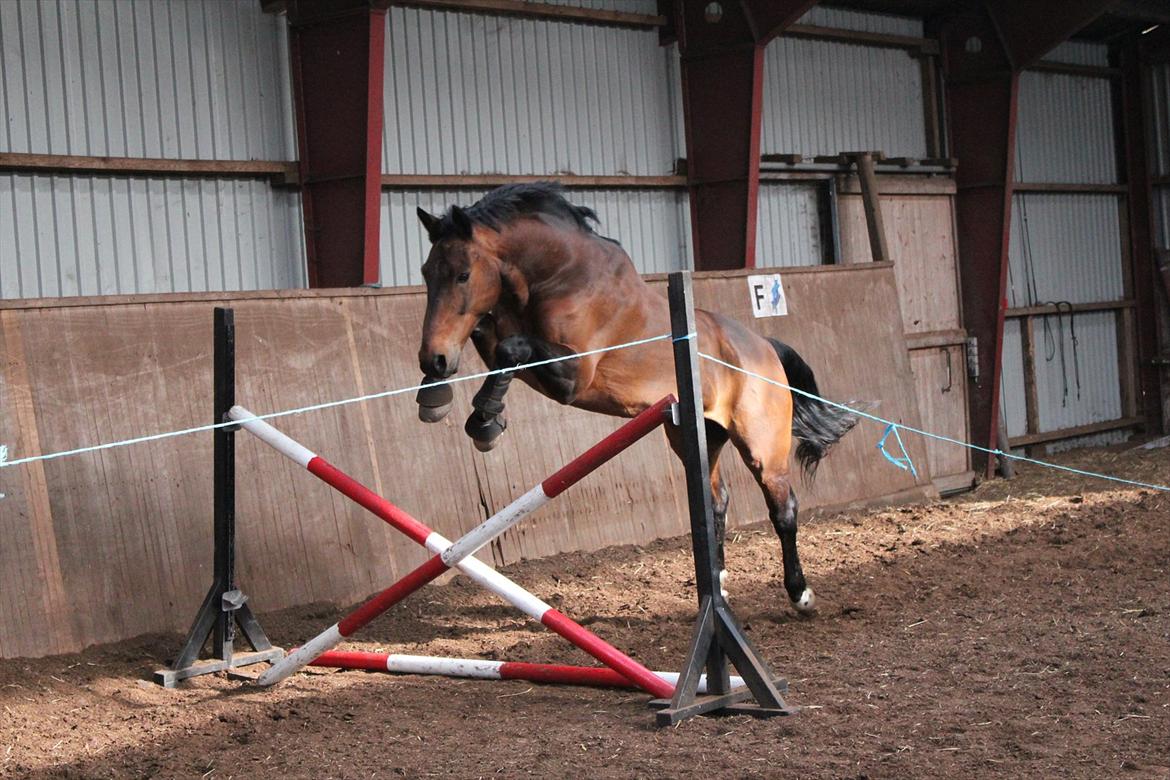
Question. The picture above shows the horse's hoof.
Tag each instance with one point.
(807, 603)
(434, 401)
(485, 434)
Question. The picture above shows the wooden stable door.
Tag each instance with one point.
(919, 221)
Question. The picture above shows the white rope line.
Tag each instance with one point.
(316, 407)
(930, 435)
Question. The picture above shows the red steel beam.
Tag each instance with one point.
(983, 52)
(982, 90)
(1029, 30)
(722, 80)
(337, 48)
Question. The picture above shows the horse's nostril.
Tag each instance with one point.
(439, 366)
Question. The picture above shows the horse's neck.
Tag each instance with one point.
(557, 261)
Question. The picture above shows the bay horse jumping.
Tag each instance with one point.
(524, 276)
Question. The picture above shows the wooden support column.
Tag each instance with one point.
(721, 46)
(337, 48)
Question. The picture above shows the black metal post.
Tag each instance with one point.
(717, 637)
(225, 604)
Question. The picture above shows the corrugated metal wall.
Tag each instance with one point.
(653, 227)
(788, 231)
(826, 97)
(472, 94)
(203, 79)
(1160, 147)
(1066, 247)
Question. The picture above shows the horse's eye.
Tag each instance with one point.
(463, 277)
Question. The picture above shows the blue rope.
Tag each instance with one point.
(4, 463)
(936, 436)
(904, 461)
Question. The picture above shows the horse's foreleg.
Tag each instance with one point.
(557, 380)
(434, 400)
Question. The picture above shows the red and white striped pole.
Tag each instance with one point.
(479, 669)
(458, 552)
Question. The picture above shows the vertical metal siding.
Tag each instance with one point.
(1080, 53)
(1100, 394)
(467, 93)
(1074, 243)
(1065, 131)
(1160, 108)
(100, 235)
(652, 226)
(824, 97)
(788, 231)
(1011, 395)
(202, 79)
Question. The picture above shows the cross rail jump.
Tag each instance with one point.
(460, 553)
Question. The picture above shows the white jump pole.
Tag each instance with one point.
(480, 669)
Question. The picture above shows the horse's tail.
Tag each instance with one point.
(816, 424)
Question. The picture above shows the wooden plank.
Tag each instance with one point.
(1045, 437)
(1031, 396)
(1030, 311)
(871, 202)
(147, 166)
(922, 239)
(34, 584)
(132, 526)
(459, 181)
(1072, 188)
(905, 184)
(936, 338)
(940, 380)
(536, 10)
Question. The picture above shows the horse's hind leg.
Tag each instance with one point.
(765, 449)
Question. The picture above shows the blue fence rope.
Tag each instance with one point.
(4, 463)
(904, 462)
(936, 436)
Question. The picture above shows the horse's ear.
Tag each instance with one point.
(461, 222)
(430, 222)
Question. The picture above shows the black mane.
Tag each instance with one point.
(512, 201)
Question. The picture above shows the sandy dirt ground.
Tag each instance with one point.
(1022, 630)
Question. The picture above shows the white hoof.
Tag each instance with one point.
(807, 603)
(723, 583)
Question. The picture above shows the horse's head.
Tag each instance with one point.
(463, 277)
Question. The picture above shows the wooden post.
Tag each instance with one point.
(717, 636)
(225, 604)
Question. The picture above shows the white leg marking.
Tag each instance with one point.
(807, 603)
(723, 582)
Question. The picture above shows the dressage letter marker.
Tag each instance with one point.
(458, 554)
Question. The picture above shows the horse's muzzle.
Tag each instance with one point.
(437, 365)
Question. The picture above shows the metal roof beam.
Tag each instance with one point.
(1029, 30)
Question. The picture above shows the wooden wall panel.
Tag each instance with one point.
(941, 384)
(107, 545)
